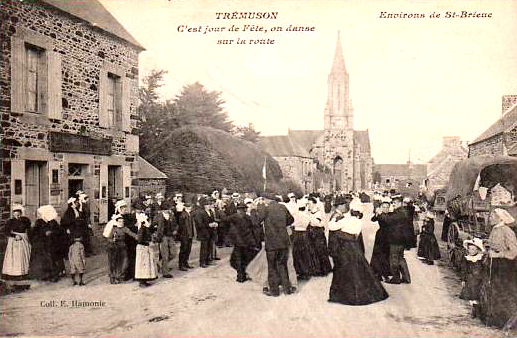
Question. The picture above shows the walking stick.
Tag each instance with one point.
(489, 290)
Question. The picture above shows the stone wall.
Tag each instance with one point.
(488, 147)
(83, 51)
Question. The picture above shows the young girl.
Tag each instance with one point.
(428, 247)
(77, 260)
(471, 272)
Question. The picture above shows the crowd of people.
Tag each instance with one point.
(277, 241)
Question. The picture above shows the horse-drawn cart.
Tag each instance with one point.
(476, 187)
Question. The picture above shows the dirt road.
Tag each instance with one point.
(209, 303)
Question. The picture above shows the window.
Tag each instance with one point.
(34, 66)
(113, 102)
(35, 75)
(114, 98)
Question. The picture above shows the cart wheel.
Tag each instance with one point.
(452, 236)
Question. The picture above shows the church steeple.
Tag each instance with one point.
(338, 66)
(338, 114)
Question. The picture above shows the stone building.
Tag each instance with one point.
(295, 161)
(391, 176)
(69, 92)
(439, 167)
(337, 149)
(501, 137)
(150, 180)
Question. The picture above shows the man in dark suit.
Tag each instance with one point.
(205, 222)
(276, 219)
(398, 240)
(185, 235)
(244, 244)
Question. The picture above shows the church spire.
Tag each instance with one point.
(338, 66)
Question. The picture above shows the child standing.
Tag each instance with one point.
(472, 272)
(428, 248)
(77, 260)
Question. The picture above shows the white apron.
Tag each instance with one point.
(145, 263)
(17, 256)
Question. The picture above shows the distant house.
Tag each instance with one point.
(390, 176)
(501, 137)
(150, 180)
(440, 166)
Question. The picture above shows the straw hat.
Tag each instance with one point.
(476, 242)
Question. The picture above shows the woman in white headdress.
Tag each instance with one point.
(500, 303)
(18, 251)
(41, 236)
(145, 264)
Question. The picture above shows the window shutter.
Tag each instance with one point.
(17, 62)
(103, 194)
(54, 93)
(103, 97)
(126, 115)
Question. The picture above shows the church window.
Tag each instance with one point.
(339, 98)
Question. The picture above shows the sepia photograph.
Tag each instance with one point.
(258, 169)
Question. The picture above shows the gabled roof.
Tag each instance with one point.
(507, 121)
(305, 138)
(282, 146)
(363, 138)
(93, 12)
(512, 150)
(147, 171)
(401, 169)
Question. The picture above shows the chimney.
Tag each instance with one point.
(508, 101)
(451, 142)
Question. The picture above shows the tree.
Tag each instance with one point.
(196, 105)
(156, 118)
(247, 133)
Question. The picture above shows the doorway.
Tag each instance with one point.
(36, 187)
(115, 184)
(338, 171)
(76, 175)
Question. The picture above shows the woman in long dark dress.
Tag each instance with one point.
(380, 261)
(353, 280)
(18, 250)
(500, 285)
(317, 240)
(41, 264)
(302, 252)
(428, 246)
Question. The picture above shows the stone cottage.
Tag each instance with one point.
(501, 137)
(69, 81)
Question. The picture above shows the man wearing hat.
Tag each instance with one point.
(205, 221)
(276, 218)
(121, 208)
(167, 227)
(186, 233)
(398, 241)
(244, 244)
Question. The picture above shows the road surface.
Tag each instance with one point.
(209, 303)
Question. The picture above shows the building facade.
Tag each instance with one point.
(392, 176)
(439, 167)
(501, 137)
(69, 96)
(338, 149)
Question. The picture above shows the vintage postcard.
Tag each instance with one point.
(268, 169)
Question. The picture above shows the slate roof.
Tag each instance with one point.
(147, 171)
(507, 121)
(93, 12)
(305, 138)
(282, 146)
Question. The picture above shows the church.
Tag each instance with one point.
(337, 158)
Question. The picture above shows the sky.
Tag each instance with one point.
(412, 80)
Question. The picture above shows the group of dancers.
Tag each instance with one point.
(295, 230)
